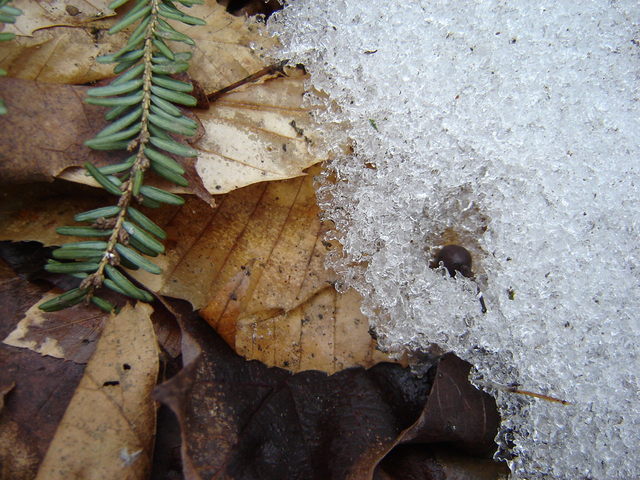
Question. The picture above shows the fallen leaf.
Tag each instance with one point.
(4, 390)
(43, 387)
(248, 135)
(59, 41)
(107, 430)
(228, 48)
(456, 412)
(287, 311)
(289, 315)
(242, 420)
(69, 334)
(40, 14)
(260, 133)
(414, 462)
(63, 55)
(46, 129)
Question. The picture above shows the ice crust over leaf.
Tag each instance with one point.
(511, 129)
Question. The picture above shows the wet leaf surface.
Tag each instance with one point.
(456, 413)
(244, 420)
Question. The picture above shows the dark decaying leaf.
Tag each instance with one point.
(45, 135)
(25, 258)
(43, 387)
(46, 130)
(414, 462)
(242, 420)
(456, 413)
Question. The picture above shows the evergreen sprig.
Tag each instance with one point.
(143, 116)
(8, 14)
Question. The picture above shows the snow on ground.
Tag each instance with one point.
(512, 129)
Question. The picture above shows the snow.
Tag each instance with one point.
(510, 128)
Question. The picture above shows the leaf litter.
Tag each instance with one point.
(254, 265)
(244, 420)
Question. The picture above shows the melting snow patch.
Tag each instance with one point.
(510, 128)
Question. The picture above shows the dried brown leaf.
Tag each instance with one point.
(69, 334)
(43, 387)
(72, 333)
(248, 136)
(46, 129)
(59, 41)
(288, 315)
(107, 430)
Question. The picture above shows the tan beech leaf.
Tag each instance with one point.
(228, 48)
(61, 54)
(108, 428)
(287, 311)
(255, 135)
(259, 257)
(37, 14)
(59, 41)
(260, 133)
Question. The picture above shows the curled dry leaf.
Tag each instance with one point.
(456, 412)
(43, 386)
(257, 134)
(107, 430)
(242, 420)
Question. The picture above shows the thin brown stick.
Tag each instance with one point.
(537, 395)
(269, 70)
